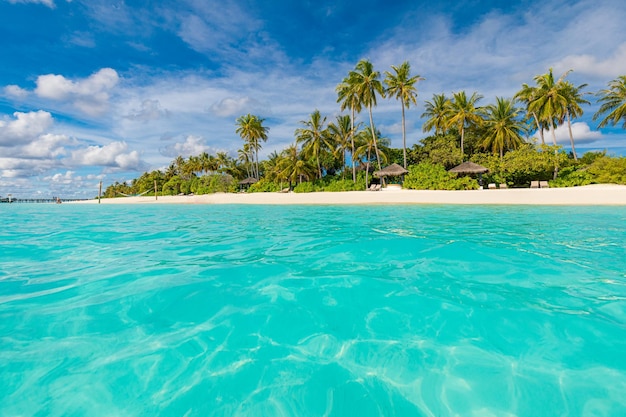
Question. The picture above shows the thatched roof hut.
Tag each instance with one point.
(248, 181)
(393, 170)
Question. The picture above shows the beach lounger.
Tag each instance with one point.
(284, 190)
(544, 184)
(492, 186)
(503, 186)
(534, 184)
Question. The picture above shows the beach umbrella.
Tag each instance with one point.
(469, 168)
(248, 181)
(393, 170)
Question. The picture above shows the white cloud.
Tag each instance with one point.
(49, 3)
(150, 110)
(46, 146)
(25, 128)
(234, 106)
(581, 132)
(589, 64)
(90, 95)
(15, 91)
(193, 145)
(113, 155)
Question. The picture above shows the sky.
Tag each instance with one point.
(104, 90)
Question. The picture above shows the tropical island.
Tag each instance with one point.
(345, 154)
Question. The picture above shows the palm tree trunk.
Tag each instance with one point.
(319, 167)
(352, 143)
(462, 137)
(374, 138)
(571, 136)
(539, 128)
(553, 133)
(403, 135)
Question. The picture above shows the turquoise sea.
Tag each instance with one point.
(201, 310)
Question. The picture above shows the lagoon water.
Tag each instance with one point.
(168, 310)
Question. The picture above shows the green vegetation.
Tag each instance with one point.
(340, 155)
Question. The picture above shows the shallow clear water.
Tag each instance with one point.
(312, 311)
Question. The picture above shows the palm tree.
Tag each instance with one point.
(367, 84)
(613, 102)
(348, 97)
(503, 128)
(292, 167)
(572, 108)
(464, 113)
(402, 86)
(342, 134)
(438, 113)
(549, 102)
(527, 95)
(313, 138)
(366, 144)
(251, 130)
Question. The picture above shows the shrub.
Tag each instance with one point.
(427, 176)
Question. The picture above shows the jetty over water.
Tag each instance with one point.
(39, 200)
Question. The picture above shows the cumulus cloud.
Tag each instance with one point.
(193, 145)
(90, 95)
(113, 155)
(15, 91)
(49, 3)
(592, 65)
(581, 132)
(25, 128)
(234, 106)
(150, 110)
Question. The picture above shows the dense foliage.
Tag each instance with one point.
(340, 154)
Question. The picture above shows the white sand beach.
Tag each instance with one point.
(601, 194)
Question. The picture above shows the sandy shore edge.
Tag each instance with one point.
(587, 195)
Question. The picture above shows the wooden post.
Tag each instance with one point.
(156, 197)
(99, 192)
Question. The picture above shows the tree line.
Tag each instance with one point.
(332, 150)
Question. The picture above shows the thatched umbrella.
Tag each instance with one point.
(393, 170)
(469, 167)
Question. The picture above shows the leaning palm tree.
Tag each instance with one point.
(527, 95)
(464, 113)
(313, 138)
(402, 86)
(367, 85)
(366, 143)
(438, 113)
(251, 130)
(502, 126)
(348, 97)
(292, 167)
(572, 109)
(613, 101)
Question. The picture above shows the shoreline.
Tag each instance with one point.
(594, 195)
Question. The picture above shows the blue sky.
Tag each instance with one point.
(105, 90)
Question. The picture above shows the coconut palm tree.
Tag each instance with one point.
(366, 143)
(313, 138)
(367, 85)
(464, 113)
(613, 101)
(251, 130)
(527, 95)
(550, 101)
(293, 168)
(342, 135)
(402, 86)
(348, 97)
(503, 128)
(572, 109)
(438, 113)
